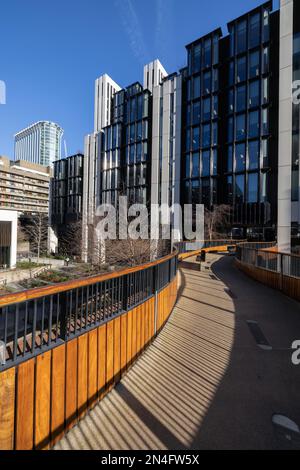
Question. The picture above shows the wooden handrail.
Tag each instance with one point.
(31, 294)
(267, 250)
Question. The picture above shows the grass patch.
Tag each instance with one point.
(55, 277)
(28, 265)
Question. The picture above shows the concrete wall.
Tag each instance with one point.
(12, 217)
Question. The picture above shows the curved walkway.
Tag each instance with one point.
(205, 383)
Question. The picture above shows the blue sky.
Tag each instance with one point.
(52, 52)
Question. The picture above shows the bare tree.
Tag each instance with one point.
(37, 232)
(70, 240)
(217, 221)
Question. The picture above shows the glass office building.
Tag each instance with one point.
(125, 163)
(40, 143)
(230, 147)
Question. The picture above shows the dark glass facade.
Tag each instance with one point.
(126, 148)
(66, 190)
(230, 111)
(201, 121)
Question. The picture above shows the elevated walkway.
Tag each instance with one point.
(206, 382)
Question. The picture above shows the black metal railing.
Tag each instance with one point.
(32, 326)
(186, 246)
(259, 256)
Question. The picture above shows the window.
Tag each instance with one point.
(265, 153)
(207, 82)
(205, 163)
(241, 36)
(265, 90)
(295, 185)
(207, 53)
(214, 191)
(296, 56)
(265, 64)
(252, 196)
(188, 140)
(266, 26)
(229, 190)
(133, 110)
(195, 165)
(230, 101)
(131, 154)
(295, 149)
(188, 90)
(239, 189)
(188, 115)
(254, 30)
(145, 130)
(241, 71)
(254, 64)
(265, 121)
(240, 98)
(139, 152)
(230, 158)
(195, 192)
(139, 134)
(196, 87)
(231, 73)
(196, 58)
(206, 192)
(196, 113)
(215, 133)
(240, 157)
(196, 138)
(253, 124)
(254, 149)
(187, 166)
(206, 135)
(215, 79)
(263, 188)
(240, 131)
(216, 50)
(230, 129)
(215, 162)
(206, 109)
(140, 107)
(187, 196)
(232, 39)
(145, 151)
(254, 94)
(215, 109)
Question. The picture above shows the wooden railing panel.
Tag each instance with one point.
(288, 285)
(7, 409)
(134, 333)
(142, 325)
(123, 344)
(92, 368)
(101, 361)
(129, 338)
(82, 375)
(42, 401)
(58, 375)
(117, 349)
(71, 383)
(25, 401)
(110, 355)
